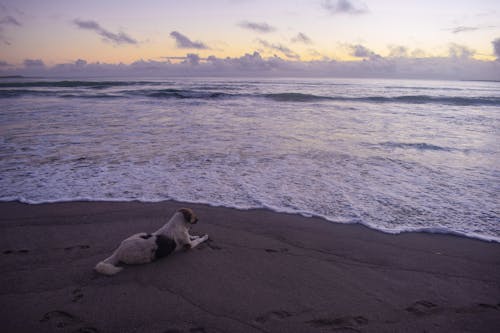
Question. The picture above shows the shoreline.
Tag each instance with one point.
(261, 271)
(306, 215)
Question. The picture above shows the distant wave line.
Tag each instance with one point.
(277, 97)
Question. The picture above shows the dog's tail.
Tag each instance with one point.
(108, 266)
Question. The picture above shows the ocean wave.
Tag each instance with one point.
(416, 145)
(296, 97)
(179, 93)
(97, 96)
(425, 99)
(424, 88)
(407, 99)
(11, 93)
(150, 93)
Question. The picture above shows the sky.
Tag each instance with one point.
(414, 38)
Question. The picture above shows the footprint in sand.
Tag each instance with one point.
(81, 247)
(210, 244)
(489, 306)
(282, 250)
(478, 307)
(25, 251)
(87, 330)
(22, 251)
(347, 323)
(422, 308)
(60, 319)
(272, 315)
(198, 329)
(77, 295)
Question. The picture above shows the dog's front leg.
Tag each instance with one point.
(197, 241)
(192, 237)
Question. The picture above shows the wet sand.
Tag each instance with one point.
(260, 272)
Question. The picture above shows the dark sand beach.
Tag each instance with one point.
(260, 272)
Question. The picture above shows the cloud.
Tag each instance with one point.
(398, 51)
(255, 65)
(280, 48)
(462, 28)
(352, 7)
(301, 38)
(261, 27)
(313, 53)
(496, 48)
(9, 20)
(360, 51)
(459, 51)
(418, 53)
(183, 42)
(192, 59)
(116, 38)
(33, 63)
(5, 22)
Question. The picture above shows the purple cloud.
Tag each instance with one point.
(33, 63)
(253, 64)
(280, 48)
(301, 38)
(183, 42)
(4, 22)
(352, 7)
(116, 38)
(496, 48)
(9, 20)
(462, 28)
(398, 51)
(360, 51)
(459, 51)
(192, 59)
(256, 26)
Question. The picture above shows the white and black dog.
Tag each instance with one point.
(143, 247)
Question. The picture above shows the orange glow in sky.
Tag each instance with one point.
(124, 31)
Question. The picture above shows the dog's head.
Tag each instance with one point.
(189, 215)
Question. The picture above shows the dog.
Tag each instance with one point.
(143, 248)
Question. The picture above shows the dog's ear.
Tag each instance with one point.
(188, 215)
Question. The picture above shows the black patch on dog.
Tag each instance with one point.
(165, 246)
(146, 236)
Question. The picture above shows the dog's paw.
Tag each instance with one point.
(204, 237)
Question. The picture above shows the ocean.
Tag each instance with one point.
(393, 155)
